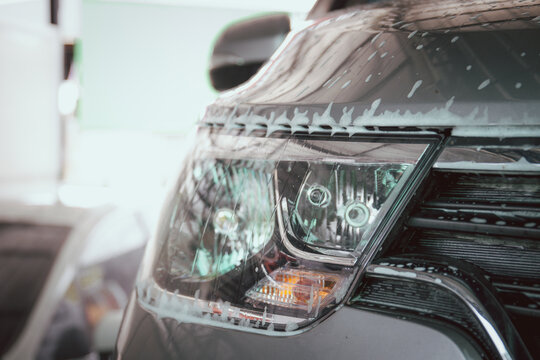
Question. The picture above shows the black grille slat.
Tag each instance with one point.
(496, 258)
(521, 190)
(423, 222)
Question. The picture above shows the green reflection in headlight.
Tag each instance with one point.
(230, 218)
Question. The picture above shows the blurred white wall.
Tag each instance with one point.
(144, 65)
(35, 12)
(30, 72)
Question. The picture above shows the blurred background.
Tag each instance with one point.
(98, 99)
(106, 91)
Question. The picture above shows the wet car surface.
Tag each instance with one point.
(373, 192)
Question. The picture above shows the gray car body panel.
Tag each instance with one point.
(348, 334)
(398, 64)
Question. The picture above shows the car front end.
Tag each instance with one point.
(372, 191)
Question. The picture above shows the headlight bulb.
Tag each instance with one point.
(319, 196)
(225, 222)
(356, 214)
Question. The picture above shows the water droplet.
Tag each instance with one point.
(356, 214)
(414, 88)
(412, 34)
(483, 84)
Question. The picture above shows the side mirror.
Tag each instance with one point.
(244, 47)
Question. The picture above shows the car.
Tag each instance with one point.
(66, 272)
(369, 189)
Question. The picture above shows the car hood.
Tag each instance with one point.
(397, 64)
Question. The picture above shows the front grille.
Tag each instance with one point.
(477, 190)
(498, 255)
(27, 254)
(488, 227)
(491, 221)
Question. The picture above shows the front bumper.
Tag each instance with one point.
(348, 334)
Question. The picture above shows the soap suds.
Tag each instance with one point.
(483, 84)
(414, 88)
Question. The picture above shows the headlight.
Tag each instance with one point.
(263, 234)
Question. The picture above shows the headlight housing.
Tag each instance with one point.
(263, 234)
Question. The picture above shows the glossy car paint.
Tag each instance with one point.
(348, 334)
(423, 64)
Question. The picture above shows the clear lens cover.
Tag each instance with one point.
(262, 234)
(337, 205)
(296, 288)
(226, 217)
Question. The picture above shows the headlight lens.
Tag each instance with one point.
(336, 205)
(263, 233)
(224, 218)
